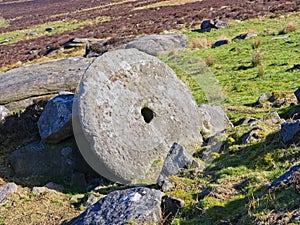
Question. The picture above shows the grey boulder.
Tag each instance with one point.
(39, 158)
(178, 160)
(290, 131)
(131, 206)
(21, 86)
(215, 120)
(7, 189)
(154, 44)
(55, 123)
(129, 109)
(4, 112)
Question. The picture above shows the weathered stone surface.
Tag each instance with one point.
(95, 49)
(154, 44)
(7, 189)
(4, 112)
(245, 36)
(297, 94)
(20, 86)
(219, 24)
(38, 158)
(290, 130)
(55, 123)
(214, 120)
(264, 97)
(177, 161)
(132, 206)
(130, 108)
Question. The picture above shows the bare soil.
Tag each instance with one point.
(128, 19)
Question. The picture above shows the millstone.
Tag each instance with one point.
(129, 109)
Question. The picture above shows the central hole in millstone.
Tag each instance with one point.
(148, 114)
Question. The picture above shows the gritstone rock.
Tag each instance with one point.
(136, 205)
(55, 123)
(20, 86)
(214, 120)
(290, 130)
(130, 108)
(4, 112)
(178, 160)
(154, 44)
(6, 189)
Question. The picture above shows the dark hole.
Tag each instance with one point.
(148, 114)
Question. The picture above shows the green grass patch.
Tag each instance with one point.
(59, 27)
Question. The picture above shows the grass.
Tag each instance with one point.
(59, 27)
(241, 71)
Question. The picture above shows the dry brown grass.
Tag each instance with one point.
(257, 58)
(209, 61)
(199, 43)
(290, 27)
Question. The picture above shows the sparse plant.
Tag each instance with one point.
(260, 70)
(257, 58)
(256, 43)
(199, 43)
(209, 61)
(290, 27)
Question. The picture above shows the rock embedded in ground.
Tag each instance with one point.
(4, 112)
(40, 159)
(290, 131)
(129, 109)
(7, 189)
(215, 120)
(20, 86)
(177, 161)
(155, 44)
(131, 206)
(55, 123)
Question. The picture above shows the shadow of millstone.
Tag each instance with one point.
(52, 160)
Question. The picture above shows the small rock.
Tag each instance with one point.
(220, 43)
(219, 24)
(55, 187)
(49, 29)
(295, 67)
(155, 44)
(255, 135)
(7, 189)
(55, 123)
(96, 49)
(4, 112)
(31, 34)
(136, 205)
(280, 37)
(245, 36)
(92, 199)
(178, 160)
(297, 94)
(290, 130)
(41, 190)
(215, 120)
(265, 97)
(246, 121)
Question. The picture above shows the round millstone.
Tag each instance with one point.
(129, 109)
